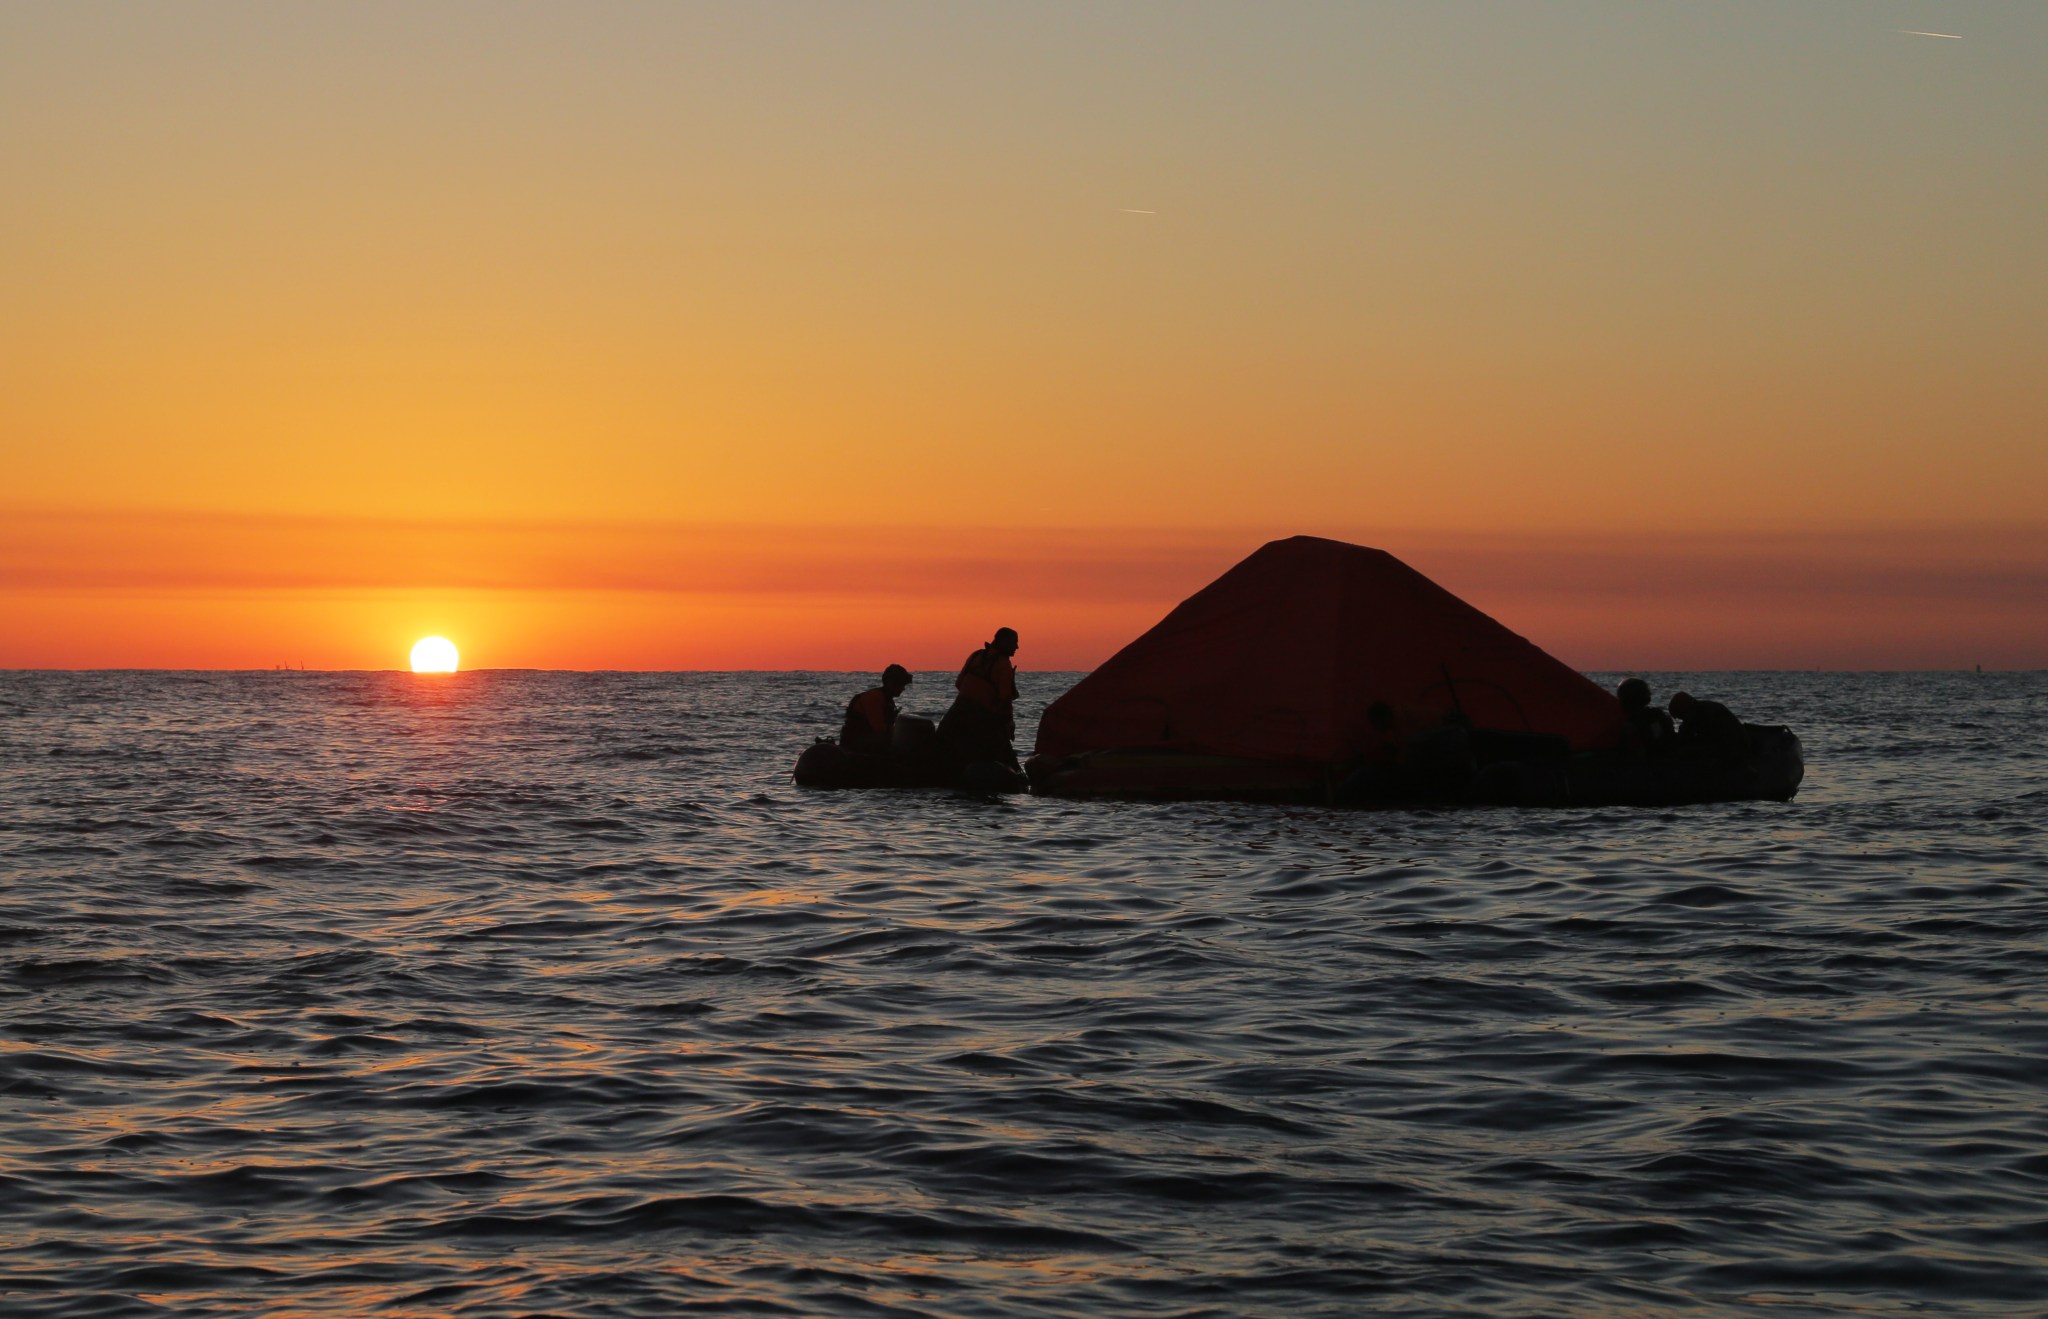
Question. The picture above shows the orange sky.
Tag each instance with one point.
(821, 336)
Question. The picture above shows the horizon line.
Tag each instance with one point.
(1623, 668)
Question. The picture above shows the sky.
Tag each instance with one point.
(822, 335)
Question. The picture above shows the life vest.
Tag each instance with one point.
(868, 717)
(988, 679)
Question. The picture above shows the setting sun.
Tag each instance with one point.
(434, 655)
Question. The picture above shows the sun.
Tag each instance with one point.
(434, 655)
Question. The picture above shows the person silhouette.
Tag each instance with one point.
(982, 721)
(1708, 730)
(871, 716)
(1646, 731)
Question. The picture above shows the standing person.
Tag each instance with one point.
(983, 722)
(871, 716)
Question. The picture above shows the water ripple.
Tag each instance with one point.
(523, 993)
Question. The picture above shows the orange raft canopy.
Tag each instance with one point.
(1279, 660)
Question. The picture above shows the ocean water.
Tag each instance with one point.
(549, 994)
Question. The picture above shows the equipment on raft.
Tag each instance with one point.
(1316, 671)
(916, 759)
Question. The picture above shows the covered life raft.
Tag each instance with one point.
(1318, 671)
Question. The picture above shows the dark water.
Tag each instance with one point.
(523, 994)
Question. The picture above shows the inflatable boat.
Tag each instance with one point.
(826, 764)
(1515, 771)
(915, 759)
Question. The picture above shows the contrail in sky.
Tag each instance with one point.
(1908, 32)
(1132, 210)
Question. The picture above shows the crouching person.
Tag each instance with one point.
(1708, 730)
(871, 716)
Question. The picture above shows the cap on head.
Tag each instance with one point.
(896, 676)
(1005, 639)
(1634, 694)
(1680, 703)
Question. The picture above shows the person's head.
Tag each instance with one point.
(1380, 716)
(1004, 642)
(894, 679)
(1634, 694)
(1681, 705)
